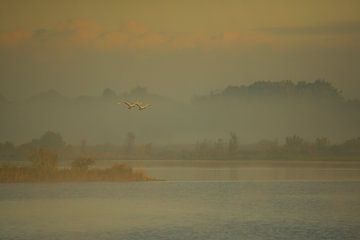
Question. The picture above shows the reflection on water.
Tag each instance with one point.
(181, 210)
(235, 170)
(203, 170)
(239, 174)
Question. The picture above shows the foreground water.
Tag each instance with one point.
(181, 210)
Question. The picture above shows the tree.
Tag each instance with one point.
(139, 91)
(295, 144)
(322, 143)
(294, 141)
(129, 143)
(8, 151)
(50, 140)
(203, 149)
(233, 143)
(109, 93)
(351, 146)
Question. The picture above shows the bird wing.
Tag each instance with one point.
(126, 103)
(141, 107)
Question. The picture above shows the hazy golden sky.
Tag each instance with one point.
(81, 47)
(181, 16)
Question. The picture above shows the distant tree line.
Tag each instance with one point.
(82, 155)
(54, 142)
(319, 89)
(294, 147)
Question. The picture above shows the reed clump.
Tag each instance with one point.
(44, 168)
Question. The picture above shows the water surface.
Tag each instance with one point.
(181, 210)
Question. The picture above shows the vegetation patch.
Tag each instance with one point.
(44, 168)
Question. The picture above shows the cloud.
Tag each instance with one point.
(329, 29)
(82, 34)
(135, 28)
(15, 38)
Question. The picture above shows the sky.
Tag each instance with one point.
(175, 48)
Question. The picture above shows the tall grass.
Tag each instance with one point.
(116, 173)
(44, 169)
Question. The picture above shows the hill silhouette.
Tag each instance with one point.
(50, 95)
(261, 110)
(319, 90)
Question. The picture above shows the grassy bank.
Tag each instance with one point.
(116, 173)
(44, 168)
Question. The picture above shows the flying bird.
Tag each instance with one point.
(142, 107)
(128, 104)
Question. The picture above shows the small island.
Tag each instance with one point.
(44, 167)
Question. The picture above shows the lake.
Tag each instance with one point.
(216, 205)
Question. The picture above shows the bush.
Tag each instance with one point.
(44, 160)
